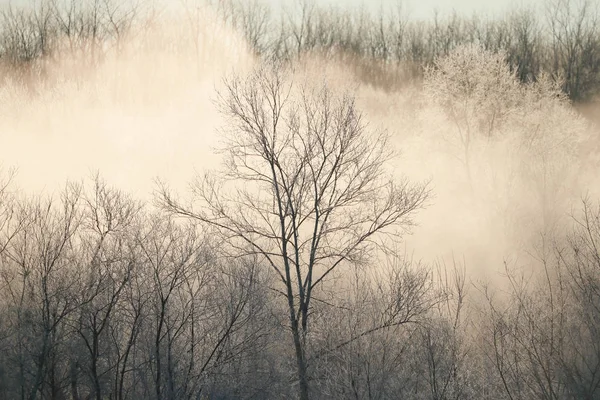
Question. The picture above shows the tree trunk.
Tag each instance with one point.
(300, 361)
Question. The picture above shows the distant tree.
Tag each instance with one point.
(514, 139)
(574, 45)
(477, 92)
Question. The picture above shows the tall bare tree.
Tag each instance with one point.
(304, 186)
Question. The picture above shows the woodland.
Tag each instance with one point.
(364, 206)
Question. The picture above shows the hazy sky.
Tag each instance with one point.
(420, 9)
(425, 8)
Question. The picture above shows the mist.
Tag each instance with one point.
(143, 113)
(149, 113)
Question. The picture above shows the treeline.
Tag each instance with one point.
(103, 299)
(562, 40)
(386, 49)
(36, 34)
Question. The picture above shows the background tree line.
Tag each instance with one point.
(387, 49)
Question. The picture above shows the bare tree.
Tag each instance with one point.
(106, 270)
(40, 258)
(579, 260)
(304, 187)
(366, 339)
(444, 338)
(574, 44)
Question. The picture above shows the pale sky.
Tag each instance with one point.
(418, 9)
(423, 9)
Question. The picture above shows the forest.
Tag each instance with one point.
(224, 199)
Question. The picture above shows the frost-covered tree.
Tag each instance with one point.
(519, 143)
(476, 91)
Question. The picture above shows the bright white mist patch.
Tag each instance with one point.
(142, 114)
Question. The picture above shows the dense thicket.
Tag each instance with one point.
(104, 298)
(561, 39)
(387, 49)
